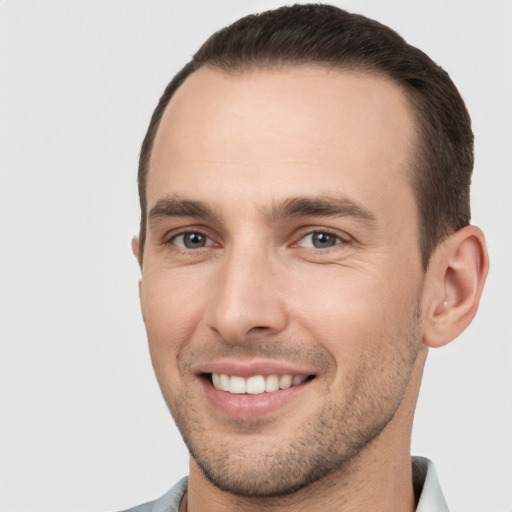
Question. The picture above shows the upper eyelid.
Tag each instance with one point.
(171, 243)
(322, 231)
(295, 237)
(342, 235)
(209, 241)
(188, 232)
(175, 232)
(300, 241)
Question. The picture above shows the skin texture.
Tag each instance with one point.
(244, 160)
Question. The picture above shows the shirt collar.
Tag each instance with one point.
(431, 498)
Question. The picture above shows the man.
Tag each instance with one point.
(305, 238)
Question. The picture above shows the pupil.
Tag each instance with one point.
(194, 240)
(322, 240)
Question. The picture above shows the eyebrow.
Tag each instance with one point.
(302, 206)
(177, 207)
(321, 207)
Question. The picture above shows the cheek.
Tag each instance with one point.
(171, 311)
(352, 314)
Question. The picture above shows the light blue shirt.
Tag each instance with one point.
(431, 497)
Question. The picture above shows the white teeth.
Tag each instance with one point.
(216, 380)
(271, 383)
(256, 384)
(285, 381)
(237, 385)
(298, 379)
(224, 382)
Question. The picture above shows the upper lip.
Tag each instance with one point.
(249, 368)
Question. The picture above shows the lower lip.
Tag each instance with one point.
(247, 406)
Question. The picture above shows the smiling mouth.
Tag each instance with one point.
(256, 384)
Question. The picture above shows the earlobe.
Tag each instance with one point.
(453, 285)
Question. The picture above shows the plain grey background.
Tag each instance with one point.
(82, 423)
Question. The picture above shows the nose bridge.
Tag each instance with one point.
(247, 297)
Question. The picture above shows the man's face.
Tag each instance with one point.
(282, 246)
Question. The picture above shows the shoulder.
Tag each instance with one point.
(169, 502)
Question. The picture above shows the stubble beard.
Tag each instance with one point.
(325, 444)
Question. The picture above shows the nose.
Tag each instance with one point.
(248, 298)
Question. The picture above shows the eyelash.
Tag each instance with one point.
(339, 240)
(172, 240)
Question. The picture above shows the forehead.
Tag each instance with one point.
(286, 128)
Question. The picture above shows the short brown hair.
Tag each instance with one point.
(330, 36)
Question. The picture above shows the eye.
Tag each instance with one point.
(319, 240)
(191, 240)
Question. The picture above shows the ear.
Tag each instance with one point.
(135, 249)
(453, 285)
(136, 253)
